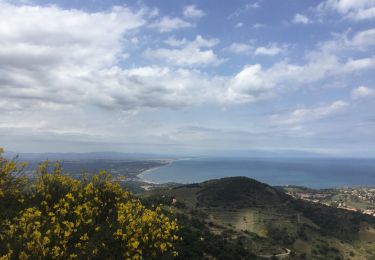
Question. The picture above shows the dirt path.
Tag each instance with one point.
(279, 256)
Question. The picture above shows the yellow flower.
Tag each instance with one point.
(69, 196)
(56, 251)
(84, 237)
(46, 240)
(65, 211)
(23, 256)
(135, 244)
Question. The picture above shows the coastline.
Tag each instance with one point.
(139, 175)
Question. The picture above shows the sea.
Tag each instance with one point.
(307, 172)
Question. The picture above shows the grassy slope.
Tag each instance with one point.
(268, 220)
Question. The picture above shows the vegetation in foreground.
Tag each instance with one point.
(58, 217)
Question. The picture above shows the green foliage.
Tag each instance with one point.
(199, 243)
(339, 223)
(12, 186)
(281, 235)
(58, 217)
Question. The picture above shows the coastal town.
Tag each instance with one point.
(358, 199)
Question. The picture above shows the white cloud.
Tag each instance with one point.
(53, 61)
(172, 41)
(243, 9)
(363, 39)
(240, 48)
(300, 18)
(350, 9)
(254, 5)
(154, 87)
(270, 50)
(202, 42)
(322, 64)
(248, 85)
(167, 24)
(64, 63)
(85, 68)
(184, 57)
(238, 25)
(194, 53)
(353, 65)
(303, 115)
(358, 41)
(191, 11)
(66, 38)
(258, 25)
(362, 92)
(318, 69)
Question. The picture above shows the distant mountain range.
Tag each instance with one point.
(122, 156)
(86, 156)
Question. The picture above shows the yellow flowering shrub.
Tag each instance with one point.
(91, 218)
(12, 185)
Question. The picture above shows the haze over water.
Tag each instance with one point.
(314, 173)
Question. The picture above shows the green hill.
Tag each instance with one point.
(265, 221)
(239, 192)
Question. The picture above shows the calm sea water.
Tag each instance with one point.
(314, 173)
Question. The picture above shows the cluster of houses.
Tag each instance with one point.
(364, 195)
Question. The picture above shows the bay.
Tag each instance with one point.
(307, 172)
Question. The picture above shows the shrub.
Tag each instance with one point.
(91, 218)
(12, 186)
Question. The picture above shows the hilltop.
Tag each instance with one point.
(239, 192)
(266, 221)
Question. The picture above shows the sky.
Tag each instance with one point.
(188, 77)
